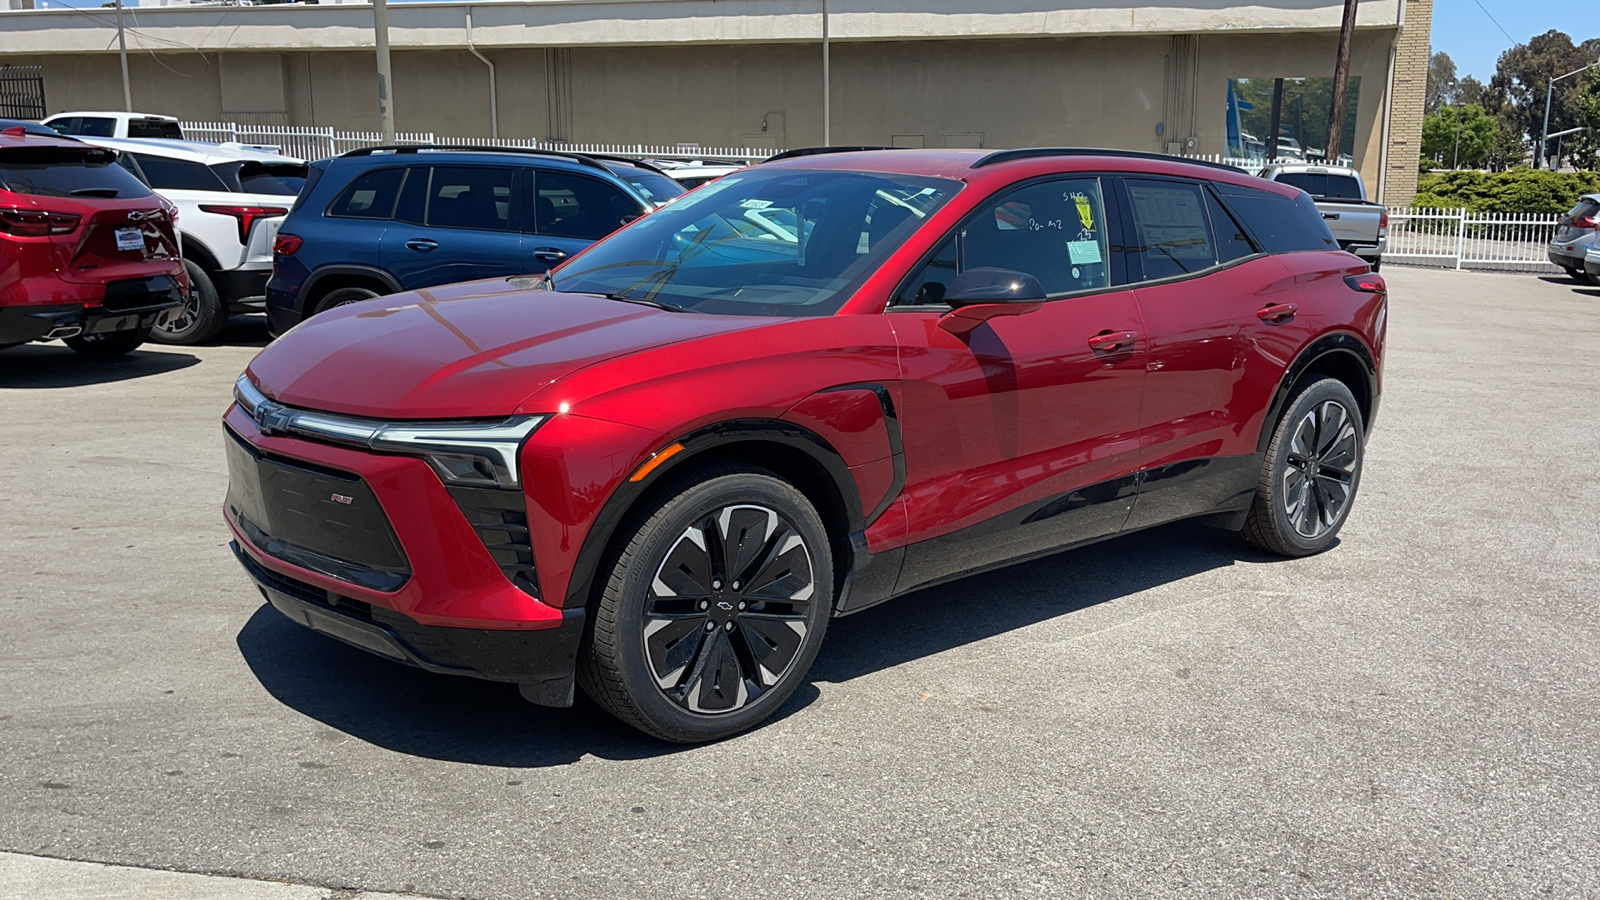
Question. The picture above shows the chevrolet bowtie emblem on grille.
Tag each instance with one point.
(271, 418)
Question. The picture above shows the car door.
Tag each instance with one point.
(1217, 315)
(1021, 435)
(454, 223)
(570, 212)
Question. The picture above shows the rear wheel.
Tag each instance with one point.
(344, 297)
(714, 609)
(105, 346)
(200, 318)
(1577, 275)
(1310, 474)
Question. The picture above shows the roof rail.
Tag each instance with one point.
(628, 160)
(818, 151)
(1004, 156)
(581, 158)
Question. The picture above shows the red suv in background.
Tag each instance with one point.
(87, 253)
(796, 392)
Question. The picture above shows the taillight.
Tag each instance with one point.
(286, 245)
(1584, 222)
(247, 216)
(34, 223)
(1383, 222)
(1370, 283)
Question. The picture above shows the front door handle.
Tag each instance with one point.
(1328, 215)
(422, 245)
(1107, 341)
(550, 254)
(1277, 313)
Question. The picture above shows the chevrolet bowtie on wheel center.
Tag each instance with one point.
(658, 470)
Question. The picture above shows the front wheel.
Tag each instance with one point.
(1310, 473)
(112, 343)
(714, 608)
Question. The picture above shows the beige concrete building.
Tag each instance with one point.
(748, 73)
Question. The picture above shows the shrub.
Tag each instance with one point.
(1516, 191)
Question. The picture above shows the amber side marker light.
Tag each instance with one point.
(655, 460)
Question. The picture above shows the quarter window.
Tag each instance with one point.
(1232, 242)
(371, 196)
(1172, 234)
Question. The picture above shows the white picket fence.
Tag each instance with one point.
(314, 142)
(1462, 239)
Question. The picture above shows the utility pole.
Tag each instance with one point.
(122, 51)
(1540, 157)
(380, 27)
(827, 94)
(1341, 78)
(1277, 120)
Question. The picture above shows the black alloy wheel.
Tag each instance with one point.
(344, 297)
(1310, 474)
(715, 609)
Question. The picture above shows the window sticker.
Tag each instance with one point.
(1083, 253)
(1085, 212)
(753, 203)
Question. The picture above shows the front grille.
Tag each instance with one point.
(500, 518)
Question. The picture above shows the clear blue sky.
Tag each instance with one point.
(1466, 32)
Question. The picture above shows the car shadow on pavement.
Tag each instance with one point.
(466, 720)
(40, 366)
(243, 331)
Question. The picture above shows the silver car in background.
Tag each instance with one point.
(1575, 236)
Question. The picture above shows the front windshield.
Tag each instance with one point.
(652, 186)
(780, 242)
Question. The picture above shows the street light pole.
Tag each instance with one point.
(1549, 91)
(380, 27)
(122, 51)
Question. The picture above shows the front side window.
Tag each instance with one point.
(573, 206)
(780, 242)
(371, 196)
(1052, 230)
(178, 175)
(1172, 234)
(86, 126)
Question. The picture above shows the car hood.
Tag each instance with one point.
(471, 350)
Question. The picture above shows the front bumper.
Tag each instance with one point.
(543, 661)
(1591, 265)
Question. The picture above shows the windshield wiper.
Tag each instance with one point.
(643, 301)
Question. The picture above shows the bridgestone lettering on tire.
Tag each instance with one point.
(714, 607)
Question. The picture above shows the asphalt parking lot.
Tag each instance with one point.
(1165, 715)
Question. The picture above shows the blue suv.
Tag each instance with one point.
(380, 220)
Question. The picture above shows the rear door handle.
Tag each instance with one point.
(422, 245)
(1107, 341)
(1277, 312)
(549, 254)
(1328, 215)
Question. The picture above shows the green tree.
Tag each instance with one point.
(1471, 90)
(1523, 73)
(1458, 137)
(1441, 83)
(1584, 150)
(1508, 150)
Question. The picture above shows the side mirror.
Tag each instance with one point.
(993, 286)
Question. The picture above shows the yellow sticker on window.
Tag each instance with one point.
(1085, 213)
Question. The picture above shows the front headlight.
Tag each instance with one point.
(471, 453)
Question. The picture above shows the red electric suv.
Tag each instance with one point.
(799, 391)
(87, 252)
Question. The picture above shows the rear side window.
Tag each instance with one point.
(1322, 185)
(272, 178)
(477, 197)
(178, 174)
(1232, 241)
(1279, 224)
(154, 128)
(63, 172)
(573, 206)
(370, 196)
(1171, 228)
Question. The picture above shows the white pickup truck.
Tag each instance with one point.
(1361, 226)
(115, 125)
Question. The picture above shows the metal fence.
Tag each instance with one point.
(313, 142)
(21, 92)
(1463, 239)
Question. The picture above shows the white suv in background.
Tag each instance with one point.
(231, 200)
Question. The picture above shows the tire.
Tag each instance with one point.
(199, 319)
(674, 651)
(105, 346)
(1578, 275)
(344, 297)
(1291, 516)
(1377, 264)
